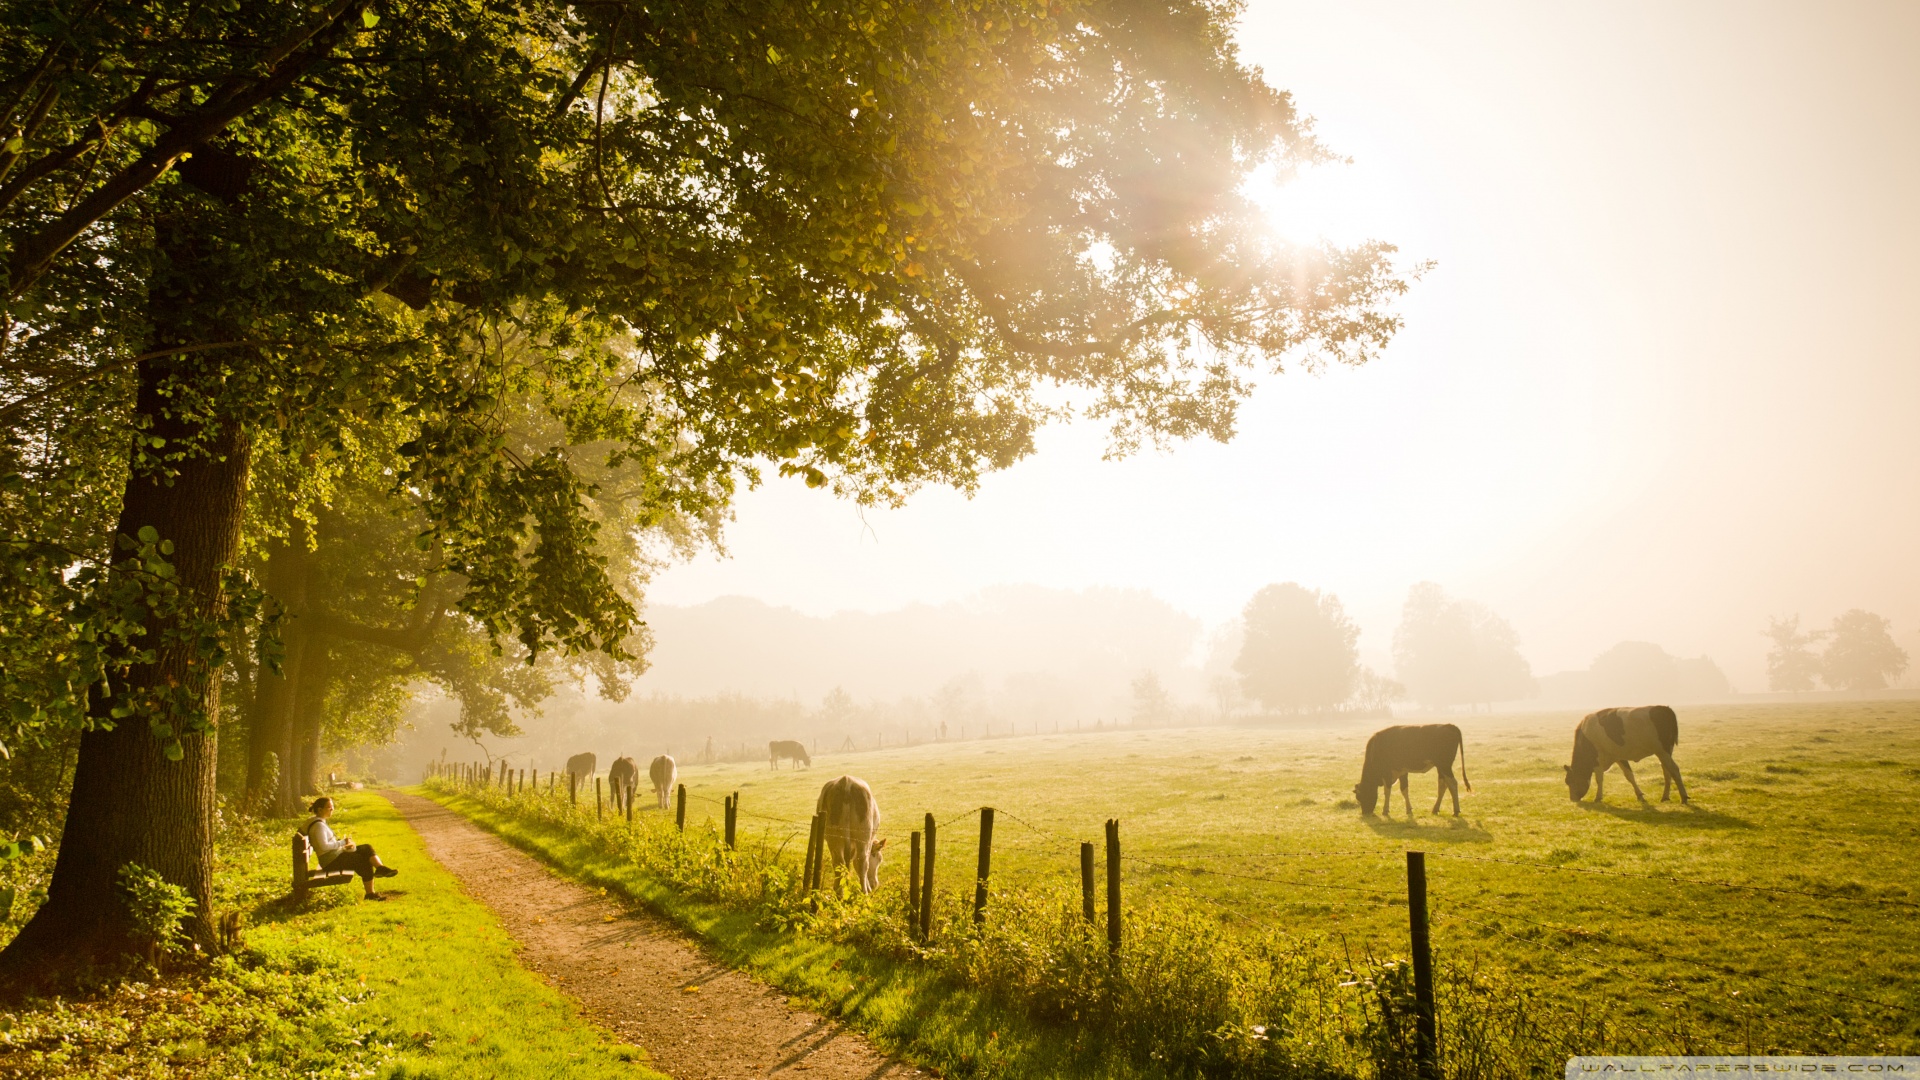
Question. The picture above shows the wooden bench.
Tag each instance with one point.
(306, 876)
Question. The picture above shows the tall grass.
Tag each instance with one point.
(1191, 993)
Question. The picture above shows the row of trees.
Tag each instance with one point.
(1857, 652)
(1299, 653)
(347, 344)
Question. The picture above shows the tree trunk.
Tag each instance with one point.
(275, 701)
(316, 674)
(129, 803)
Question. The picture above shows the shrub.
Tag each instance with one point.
(158, 907)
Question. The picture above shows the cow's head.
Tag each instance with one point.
(1579, 774)
(1366, 794)
(875, 855)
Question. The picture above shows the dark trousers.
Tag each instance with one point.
(359, 860)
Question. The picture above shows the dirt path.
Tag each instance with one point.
(637, 975)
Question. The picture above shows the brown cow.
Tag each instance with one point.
(852, 817)
(1620, 737)
(790, 750)
(1394, 752)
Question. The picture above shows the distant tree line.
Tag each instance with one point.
(1857, 652)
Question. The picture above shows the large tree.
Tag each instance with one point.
(1299, 653)
(1449, 651)
(1861, 653)
(865, 244)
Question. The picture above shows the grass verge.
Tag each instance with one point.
(337, 987)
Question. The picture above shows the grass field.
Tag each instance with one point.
(425, 985)
(1786, 800)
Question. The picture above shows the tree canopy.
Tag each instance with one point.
(1300, 650)
(1449, 651)
(1861, 653)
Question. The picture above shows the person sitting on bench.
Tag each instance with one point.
(340, 852)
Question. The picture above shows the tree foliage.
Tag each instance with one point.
(1300, 650)
(1861, 653)
(1448, 651)
(1792, 665)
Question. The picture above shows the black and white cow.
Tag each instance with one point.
(1620, 737)
(1395, 752)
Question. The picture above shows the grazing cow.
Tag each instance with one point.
(1394, 752)
(1620, 737)
(622, 777)
(582, 766)
(792, 751)
(663, 774)
(852, 817)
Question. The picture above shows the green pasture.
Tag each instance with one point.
(1260, 823)
(424, 985)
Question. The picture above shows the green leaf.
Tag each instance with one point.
(175, 751)
(369, 19)
(148, 534)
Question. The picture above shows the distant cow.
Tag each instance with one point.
(582, 766)
(663, 773)
(791, 751)
(622, 777)
(1395, 752)
(852, 817)
(1619, 737)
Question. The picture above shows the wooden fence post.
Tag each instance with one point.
(986, 866)
(1086, 883)
(597, 810)
(629, 802)
(1113, 885)
(913, 881)
(536, 781)
(680, 810)
(733, 818)
(1426, 1030)
(814, 840)
(573, 788)
(926, 885)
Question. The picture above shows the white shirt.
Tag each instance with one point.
(326, 846)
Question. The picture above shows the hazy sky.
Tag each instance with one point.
(1660, 384)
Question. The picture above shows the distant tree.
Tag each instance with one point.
(1152, 705)
(1373, 691)
(837, 708)
(1642, 673)
(1457, 652)
(1792, 665)
(1299, 653)
(1225, 691)
(1861, 654)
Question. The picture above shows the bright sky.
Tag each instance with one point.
(1661, 383)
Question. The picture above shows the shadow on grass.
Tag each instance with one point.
(1429, 829)
(1677, 817)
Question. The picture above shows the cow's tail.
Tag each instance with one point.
(1463, 758)
(1666, 725)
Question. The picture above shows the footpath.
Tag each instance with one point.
(639, 976)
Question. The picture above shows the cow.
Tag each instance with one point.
(582, 766)
(1620, 737)
(791, 750)
(1393, 753)
(852, 816)
(663, 774)
(622, 777)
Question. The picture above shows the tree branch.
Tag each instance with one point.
(286, 63)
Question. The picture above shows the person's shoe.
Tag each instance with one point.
(385, 871)
(376, 896)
